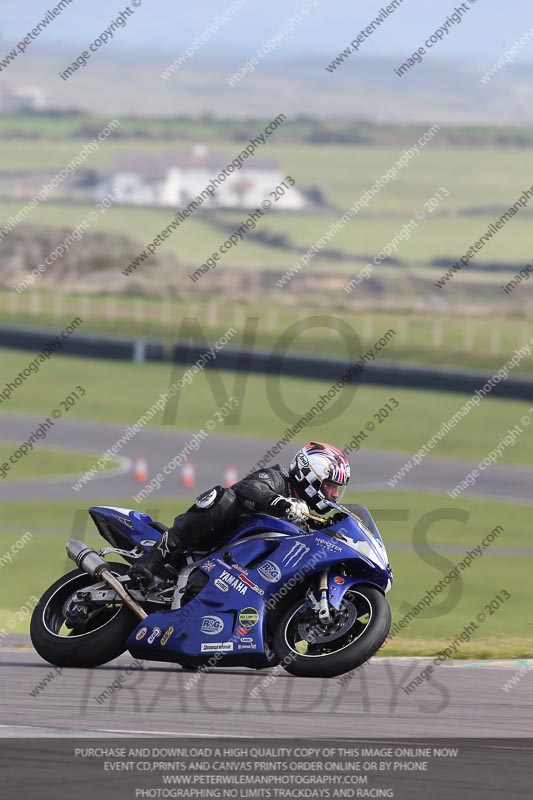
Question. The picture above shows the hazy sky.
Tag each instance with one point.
(488, 29)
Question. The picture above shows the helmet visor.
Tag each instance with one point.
(333, 491)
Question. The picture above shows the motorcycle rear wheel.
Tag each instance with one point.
(102, 639)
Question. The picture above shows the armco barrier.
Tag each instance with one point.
(83, 344)
(296, 365)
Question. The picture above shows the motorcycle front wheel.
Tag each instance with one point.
(96, 640)
(309, 648)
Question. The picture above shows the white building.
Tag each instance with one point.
(174, 180)
(19, 99)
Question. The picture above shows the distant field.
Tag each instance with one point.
(121, 392)
(481, 182)
(506, 633)
(439, 237)
(301, 129)
(477, 178)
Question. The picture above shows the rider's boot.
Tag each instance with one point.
(151, 563)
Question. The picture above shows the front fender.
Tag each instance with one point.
(339, 584)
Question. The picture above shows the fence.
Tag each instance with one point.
(418, 332)
(299, 365)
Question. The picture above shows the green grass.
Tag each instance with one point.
(206, 128)
(45, 463)
(437, 237)
(476, 177)
(443, 339)
(481, 181)
(507, 633)
(121, 392)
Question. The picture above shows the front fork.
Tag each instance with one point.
(332, 587)
(322, 604)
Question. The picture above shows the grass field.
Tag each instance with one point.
(442, 339)
(476, 177)
(481, 182)
(121, 392)
(45, 463)
(505, 633)
(207, 128)
(437, 238)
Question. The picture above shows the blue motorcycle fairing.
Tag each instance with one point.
(133, 526)
(245, 578)
(339, 584)
(250, 524)
(199, 631)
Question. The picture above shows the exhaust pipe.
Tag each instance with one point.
(85, 558)
(88, 560)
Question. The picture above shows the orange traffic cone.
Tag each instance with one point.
(140, 470)
(187, 475)
(231, 475)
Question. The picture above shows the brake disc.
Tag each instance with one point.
(341, 622)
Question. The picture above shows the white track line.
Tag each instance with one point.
(125, 465)
(67, 731)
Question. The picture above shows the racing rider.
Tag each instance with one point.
(318, 472)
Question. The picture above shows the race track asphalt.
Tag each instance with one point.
(371, 469)
(461, 699)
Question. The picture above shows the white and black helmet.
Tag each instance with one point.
(315, 464)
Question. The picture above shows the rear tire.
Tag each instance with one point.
(106, 634)
(362, 626)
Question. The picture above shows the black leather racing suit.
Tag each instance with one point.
(210, 520)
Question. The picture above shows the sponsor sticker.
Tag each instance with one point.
(246, 639)
(338, 580)
(295, 554)
(251, 584)
(124, 521)
(329, 545)
(141, 634)
(239, 568)
(248, 617)
(208, 566)
(221, 585)
(270, 572)
(166, 636)
(155, 633)
(148, 542)
(206, 499)
(211, 625)
(246, 647)
(235, 583)
(220, 647)
(241, 630)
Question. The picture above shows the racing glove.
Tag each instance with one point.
(297, 511)
(291, 508)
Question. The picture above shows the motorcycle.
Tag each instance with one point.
(274, 593)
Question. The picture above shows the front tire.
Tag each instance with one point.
(310, 649)
(101, 640)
